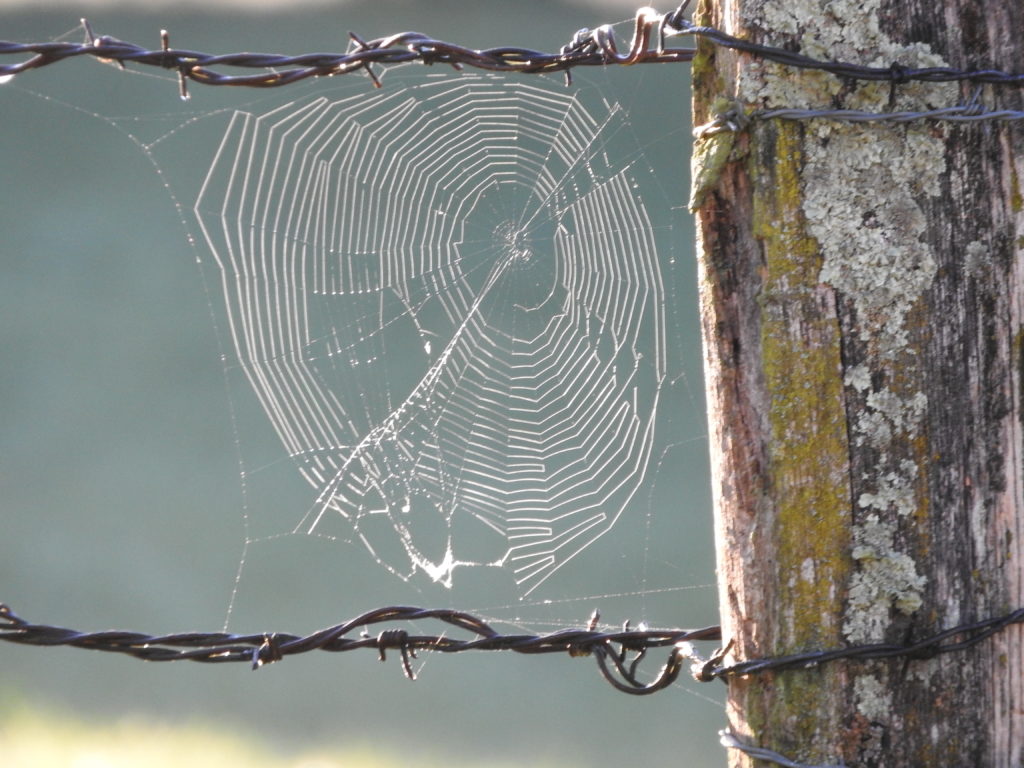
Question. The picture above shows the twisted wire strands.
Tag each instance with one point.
(588, 47)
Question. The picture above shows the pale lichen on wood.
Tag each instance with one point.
(860, 188)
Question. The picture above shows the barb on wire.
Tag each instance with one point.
(611, 649)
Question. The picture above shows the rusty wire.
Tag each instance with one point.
(598, 47)
(588, 47)
(618, 654)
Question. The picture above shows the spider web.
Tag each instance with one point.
(448, 298)
(496, 397)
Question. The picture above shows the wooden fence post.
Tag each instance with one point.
(862, 304)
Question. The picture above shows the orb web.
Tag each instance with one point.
(446, 297)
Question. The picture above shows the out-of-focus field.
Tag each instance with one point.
(32, 736)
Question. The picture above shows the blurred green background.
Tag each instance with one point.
(121, 503)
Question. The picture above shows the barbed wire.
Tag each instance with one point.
(618, 654)
(588, 47)
(597, 47)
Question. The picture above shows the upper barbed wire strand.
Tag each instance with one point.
(596, 47)
(589, 47)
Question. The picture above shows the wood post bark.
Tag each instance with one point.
(862, 304)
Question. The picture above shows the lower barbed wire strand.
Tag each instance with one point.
(729, 740)
(610, 648)
(266, 648)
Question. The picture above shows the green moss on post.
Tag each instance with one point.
(808, 430)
